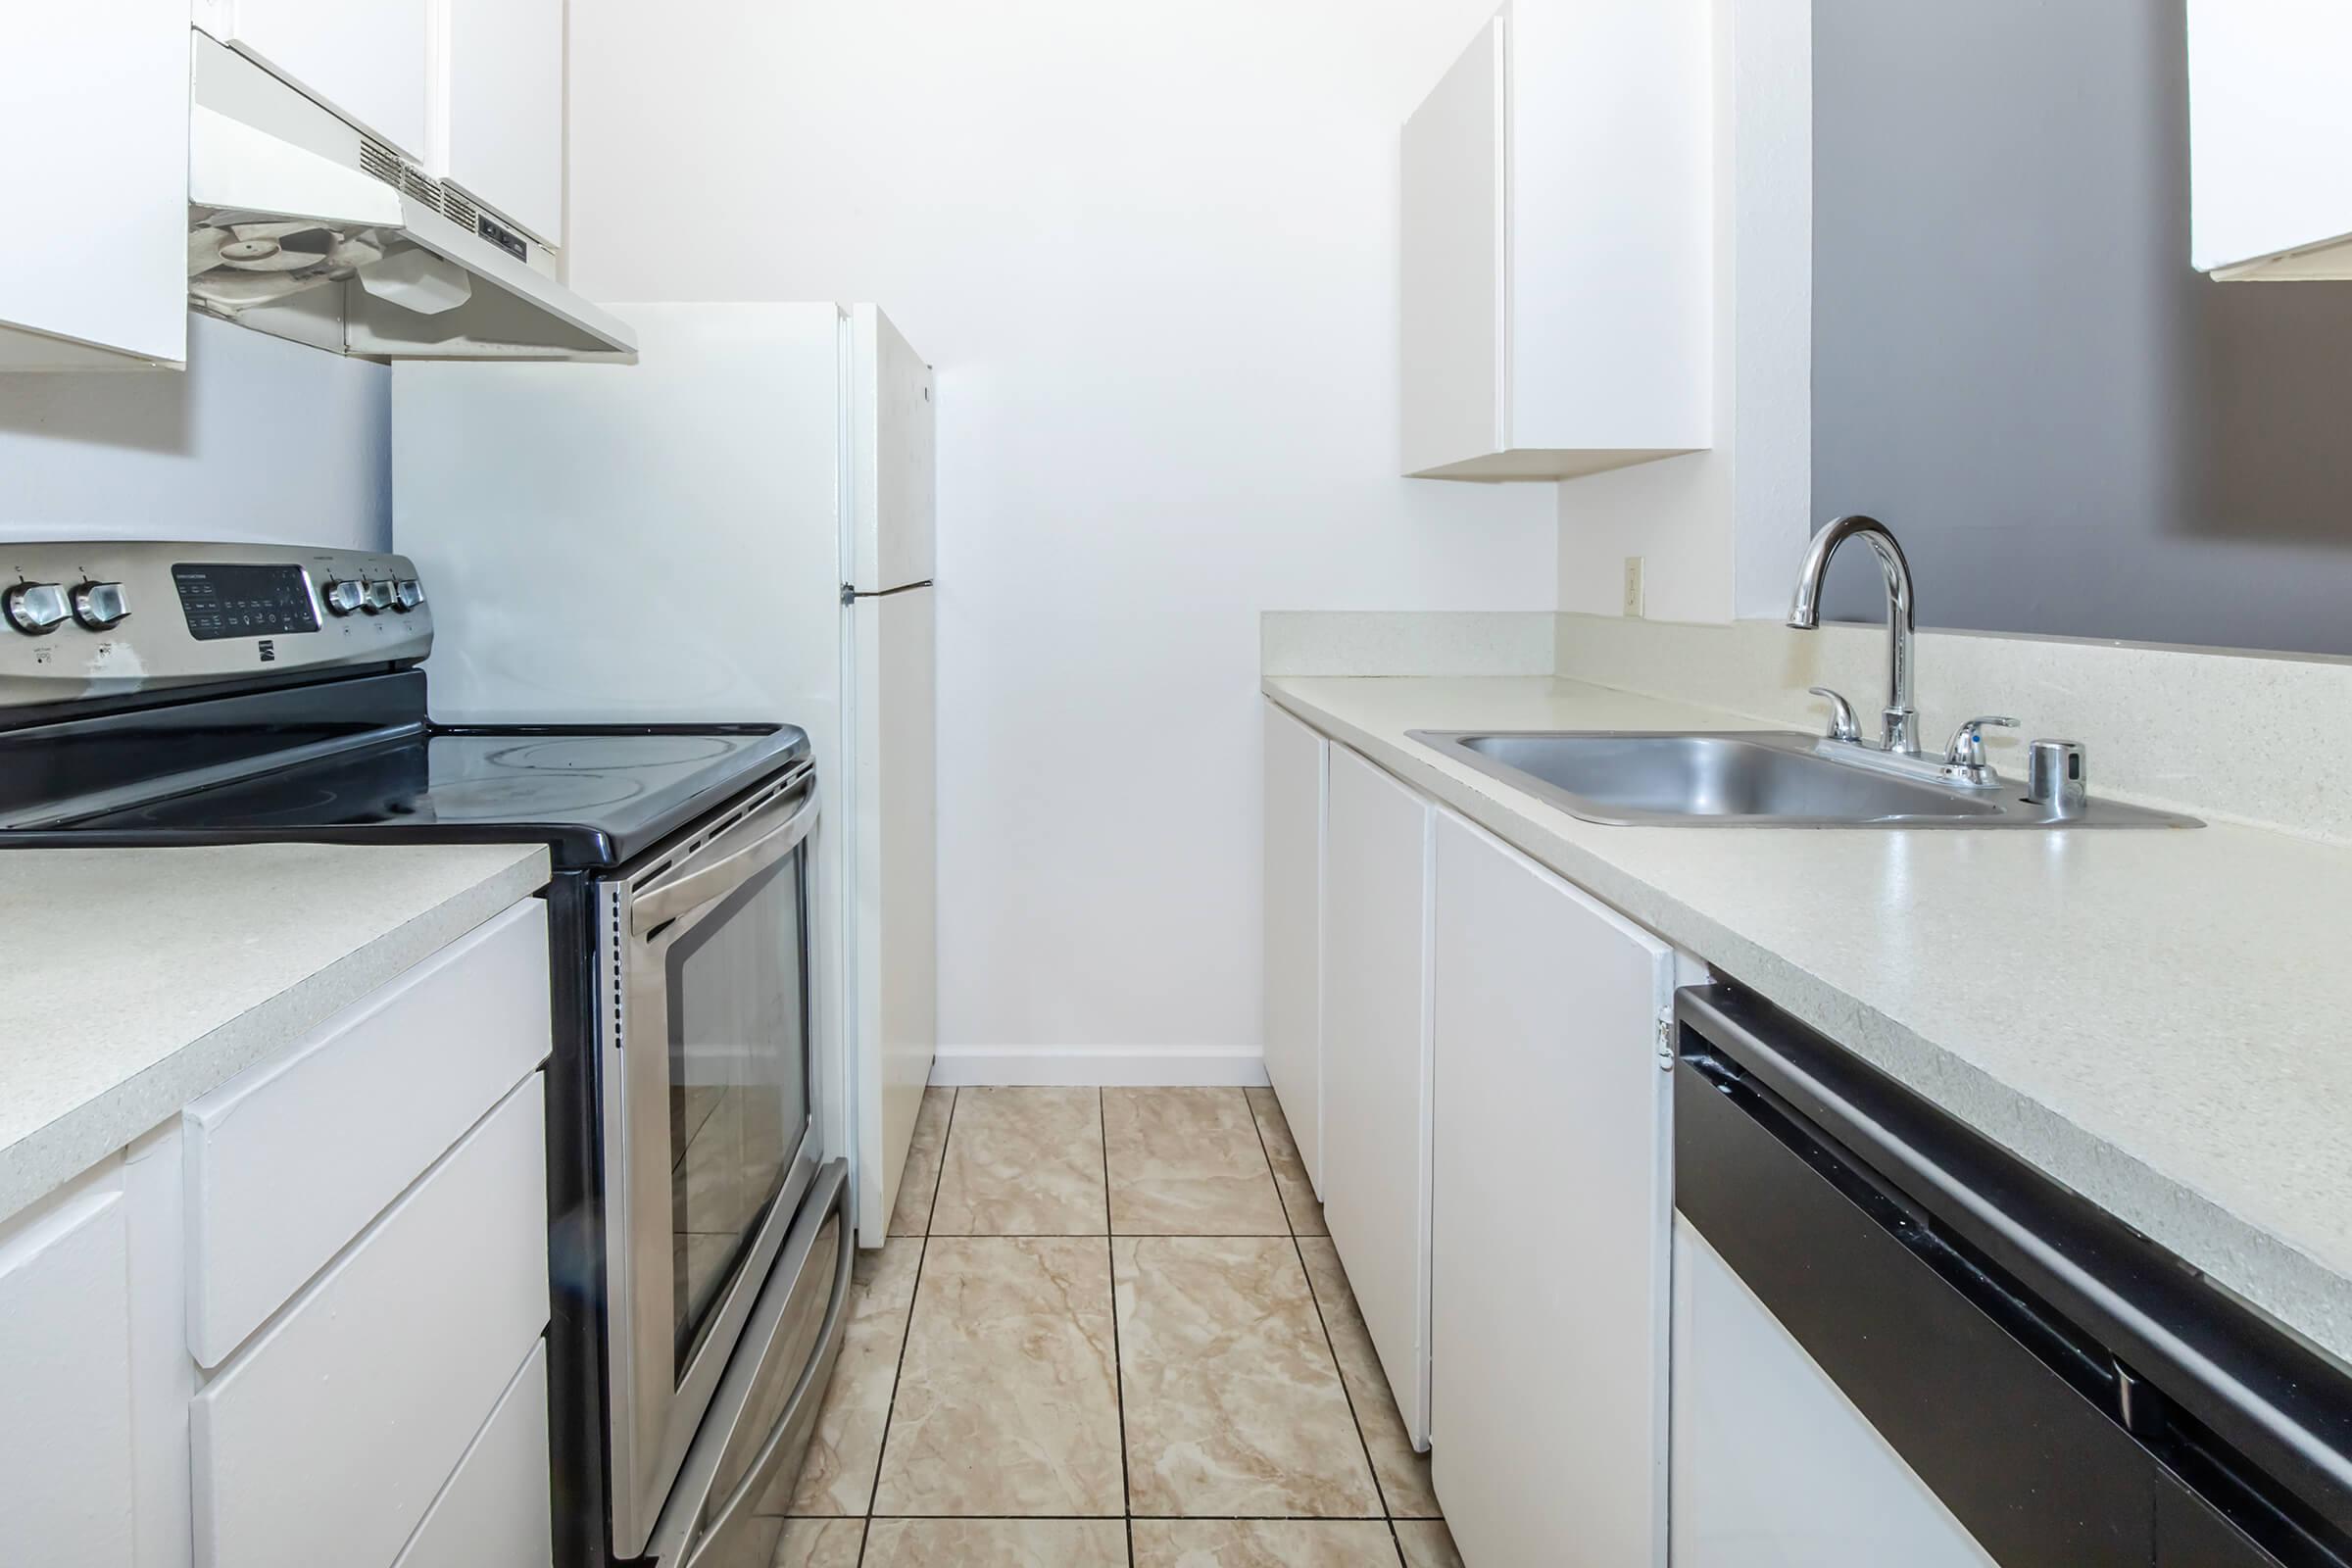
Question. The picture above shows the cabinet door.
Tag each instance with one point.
(1557, 271)
(67, 1480)
(1772, 1462)
(1376, 1064)
(1296, 759)
(1550, 1236)
(1451, 281)
(2269, 97)
(505, 92)
(94, 112)
(364, 58)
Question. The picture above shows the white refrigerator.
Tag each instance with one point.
(737, 528)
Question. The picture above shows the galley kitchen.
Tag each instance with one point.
(868, 785)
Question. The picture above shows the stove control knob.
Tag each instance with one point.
(343, 594)
(406, 595)
(36, 608)
(380, 597)
(100, 604)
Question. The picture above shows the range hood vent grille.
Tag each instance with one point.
(405, 177)
(459, 210)
(380, 161)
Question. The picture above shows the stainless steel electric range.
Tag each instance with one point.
(156, 694)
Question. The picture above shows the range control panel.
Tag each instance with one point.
(228, 599)
(100, 619)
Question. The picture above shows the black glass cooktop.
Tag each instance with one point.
(357, 760)
(596, 796)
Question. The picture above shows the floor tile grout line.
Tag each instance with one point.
(1106, 1518)
(1118, 1359)
(1379, 1492)
(939, 1177)
(890, 1413)
(1127, 1235)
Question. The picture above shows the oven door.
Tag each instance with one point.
(709, 1143)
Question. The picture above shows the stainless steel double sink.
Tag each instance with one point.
(1750, 778)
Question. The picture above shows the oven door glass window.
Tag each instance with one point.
(738, 1084)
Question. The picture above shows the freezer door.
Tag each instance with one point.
(657, 542)
(891, 522)
(893, 881)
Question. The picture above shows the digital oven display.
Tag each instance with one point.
(232, 601)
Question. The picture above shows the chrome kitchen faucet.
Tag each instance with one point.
(1964, 762)
(1899, 718)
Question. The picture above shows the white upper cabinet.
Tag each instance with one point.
(1557, 244)
(2270, 99)
(366, 59)
(504, 97)
(94, 115)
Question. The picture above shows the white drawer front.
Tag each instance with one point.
(290, 1159)
(496, 1508)
(327, 1439)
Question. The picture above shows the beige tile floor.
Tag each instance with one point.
(1108, 1328)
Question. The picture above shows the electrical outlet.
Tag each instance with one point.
(1632, 585)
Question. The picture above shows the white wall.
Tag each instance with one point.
(1721, 533)
(1151, 248)
(258, 439)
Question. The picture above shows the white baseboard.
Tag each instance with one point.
(1108, 1065)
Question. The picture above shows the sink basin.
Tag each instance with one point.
(1762, 778)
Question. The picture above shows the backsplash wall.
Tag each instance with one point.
(258, 439)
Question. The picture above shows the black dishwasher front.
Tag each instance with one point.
(2077, 1395)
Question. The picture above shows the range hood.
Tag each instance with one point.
(303, 226)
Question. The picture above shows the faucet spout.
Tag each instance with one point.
(1900, 720)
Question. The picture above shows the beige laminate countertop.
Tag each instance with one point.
(2160, 1020)
(139, 979)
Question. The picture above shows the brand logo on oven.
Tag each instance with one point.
(269, 647)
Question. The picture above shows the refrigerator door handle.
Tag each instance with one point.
(849, 594)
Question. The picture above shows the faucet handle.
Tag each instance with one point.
(1967, 748)
(1843, 726)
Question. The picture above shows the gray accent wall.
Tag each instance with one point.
(2015, 367)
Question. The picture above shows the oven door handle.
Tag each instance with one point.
(707, 881)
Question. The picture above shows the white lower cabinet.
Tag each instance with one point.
(1553, 1158)
(495, 1508)
(1296, 764)
(1375, 1077)
(372, 1099)
(65, 1405)
(1496, 1151)
(385, 1242)
(1773, 1465)
(362, 1395)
